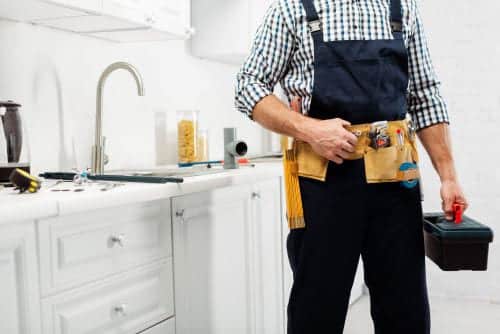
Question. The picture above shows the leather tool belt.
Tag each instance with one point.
(388, 149)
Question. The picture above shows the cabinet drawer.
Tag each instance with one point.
(76, 249)
(166, 327)
(129, 304)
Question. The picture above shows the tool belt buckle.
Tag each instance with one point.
(378, 135)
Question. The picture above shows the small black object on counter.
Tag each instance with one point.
(454, 247)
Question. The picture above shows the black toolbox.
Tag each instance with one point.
(454, 246)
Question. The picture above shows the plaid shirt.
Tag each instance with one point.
(283, 52)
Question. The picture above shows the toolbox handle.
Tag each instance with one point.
(458, 211)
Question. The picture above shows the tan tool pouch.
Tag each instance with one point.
(310, 164)
(381, 165)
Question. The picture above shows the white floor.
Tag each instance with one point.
(448, 316)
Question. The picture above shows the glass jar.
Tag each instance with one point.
(187, 136)
(202, 145)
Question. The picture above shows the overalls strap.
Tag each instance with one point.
(313, 20)
(397, 19)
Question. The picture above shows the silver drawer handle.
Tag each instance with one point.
(121, 309)
(256, 195)
(117, 240)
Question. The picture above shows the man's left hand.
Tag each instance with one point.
(451, 193)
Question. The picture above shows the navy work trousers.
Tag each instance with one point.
(347, 218)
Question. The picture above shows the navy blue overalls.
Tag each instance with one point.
(360, 81)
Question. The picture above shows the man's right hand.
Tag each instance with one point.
(328, 138)
(331, 140)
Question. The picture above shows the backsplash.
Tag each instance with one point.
(54, 76)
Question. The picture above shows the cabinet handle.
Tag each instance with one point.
(256, 195)
(180, 213)
(117, 240)
(121, 310)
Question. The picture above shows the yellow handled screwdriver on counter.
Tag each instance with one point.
(25, 181)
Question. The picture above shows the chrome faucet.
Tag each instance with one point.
(98, 150)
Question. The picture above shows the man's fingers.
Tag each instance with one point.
(344, 123)
(351, 138)
(348, 147)
(338, 160)
(448, 208)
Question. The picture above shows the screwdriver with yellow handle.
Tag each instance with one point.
(24, 181)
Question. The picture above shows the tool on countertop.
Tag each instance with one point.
(25, 181)
(113, 178)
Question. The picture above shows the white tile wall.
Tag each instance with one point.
(463, 41)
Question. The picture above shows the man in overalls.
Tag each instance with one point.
(349, 62)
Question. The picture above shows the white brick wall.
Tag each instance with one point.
(463, 39)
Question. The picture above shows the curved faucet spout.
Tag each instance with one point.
(98, 149)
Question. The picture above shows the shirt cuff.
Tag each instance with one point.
(248, 97)
(431, 115)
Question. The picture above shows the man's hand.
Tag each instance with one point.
(436, 140)
(328, 138)
(451, 193)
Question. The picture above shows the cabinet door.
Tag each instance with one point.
(268, 259)
(225, 29)
(169, 16)
(212, 252)
(86, 5)
(29, 10)
(19, 293)
(165, 327)
(131, 10)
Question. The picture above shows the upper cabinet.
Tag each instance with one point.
(225, 29)
(115, 20)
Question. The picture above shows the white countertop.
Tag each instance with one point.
(16, 207)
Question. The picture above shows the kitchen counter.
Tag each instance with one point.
(16, 207)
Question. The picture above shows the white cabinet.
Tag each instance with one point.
(80, 248)
(115, 20)
(267, 250)
(130, 304)
(165, 327)
(31, 10)
(19, 293)
(225, 29)
(85, 5)
(227, 261)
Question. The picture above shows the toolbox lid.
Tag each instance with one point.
(469, 229)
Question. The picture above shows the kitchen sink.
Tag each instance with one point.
(172, 171)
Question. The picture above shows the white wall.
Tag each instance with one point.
(463, 40)
(54, 75)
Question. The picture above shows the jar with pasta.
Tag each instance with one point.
(187, 136)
